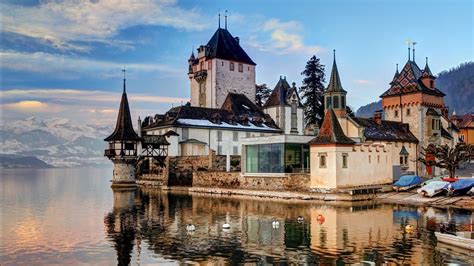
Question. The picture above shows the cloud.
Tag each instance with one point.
(71, 67)
(64, 24)
(364, 81)
(283, 38)
(31, 106)
(81, 96)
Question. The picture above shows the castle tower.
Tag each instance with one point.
(414, 99)
(123, 143)
(220, 67)
(335, 95)
(284, 106)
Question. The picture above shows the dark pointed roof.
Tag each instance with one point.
(124, 127)
(385, 130)
(223, 45)
(239, 104)
(397, 73)
(192, 57)
(427, 70)
(335, 81)
(404, 151)
(409, 81)
(331, 131)
(281, 94)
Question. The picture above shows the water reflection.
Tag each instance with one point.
(307, 232)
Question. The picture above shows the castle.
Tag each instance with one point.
(223, 119)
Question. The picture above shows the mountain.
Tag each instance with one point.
(457, 83)
(369, 109)
(59, 142)
(12, 161)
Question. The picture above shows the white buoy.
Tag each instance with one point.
(275, 224)
(190, 227)
(226, 226)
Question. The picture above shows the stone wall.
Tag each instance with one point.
(181, 168)
(290, 182)
(124, 171)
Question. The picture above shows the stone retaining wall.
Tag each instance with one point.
(234, 180)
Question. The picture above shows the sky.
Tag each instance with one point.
(64, 58)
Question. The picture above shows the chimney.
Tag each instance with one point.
(237, 39)
(378, 117)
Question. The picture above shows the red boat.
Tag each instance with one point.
(450, 179)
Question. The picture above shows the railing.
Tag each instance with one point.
(109, 153)
(118, 152)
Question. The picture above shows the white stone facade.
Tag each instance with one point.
(283, 118)
(220, 80)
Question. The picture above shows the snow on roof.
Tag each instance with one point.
(207, 123)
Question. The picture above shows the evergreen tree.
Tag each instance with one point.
(312, 91)
(262, 94)
(349, 111)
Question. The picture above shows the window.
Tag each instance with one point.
(378, 158)
(344, 160)
(370, 161)
(209, 65)
(231, 66)
(219, 150)
(219, 135)
(335, 101)
(222, 63)
(343, 102)
(396, 113)
(202, 65)
(401, 160)
(235, 136)
(433, 124)
(431, 84)
(294, 117)
(236, 150)
(248, 68)
(322, 160)
(241, 68)
(185, 132)
(129, 146)
(408, 111)
(328, 102)
(462, 138)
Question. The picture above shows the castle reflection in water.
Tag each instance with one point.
(327, 234)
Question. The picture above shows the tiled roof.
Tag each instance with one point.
(385, 131)
(331, 131)
(408, 81)
(237, 112)
(281, 94)
(124, 127)
(223, 45)
(467, 120)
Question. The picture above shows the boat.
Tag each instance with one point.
(463, 240)
(426, 182)
(407, 182)
(450, 179)
(460, 187)
(433, 188)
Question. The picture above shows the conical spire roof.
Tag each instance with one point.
(124, 127)
(331, 131)
(335, 81)
(427, 69)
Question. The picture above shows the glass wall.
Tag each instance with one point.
(277, 158)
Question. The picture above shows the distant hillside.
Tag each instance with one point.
(457, 83)
(369, 109)
(13, 161)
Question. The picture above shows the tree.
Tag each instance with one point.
(349, 111)
(312, 91)
(262, 94)
(446, 157)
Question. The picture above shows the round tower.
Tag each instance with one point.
(122, 146)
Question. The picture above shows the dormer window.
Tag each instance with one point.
(335, 103)
(231, 66)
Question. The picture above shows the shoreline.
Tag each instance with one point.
(407, 198)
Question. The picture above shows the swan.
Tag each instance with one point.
(275, 224)
(409, 227)
(300, 219)
(226, 226)
(190, 227)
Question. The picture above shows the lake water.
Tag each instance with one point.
(72, 216)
